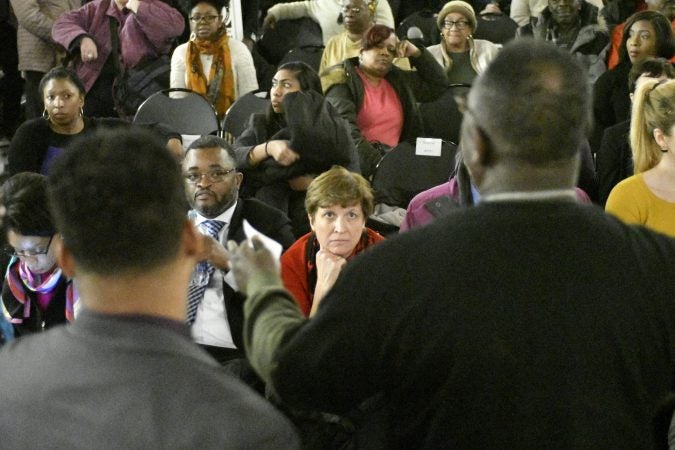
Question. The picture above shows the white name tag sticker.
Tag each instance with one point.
(428, 146)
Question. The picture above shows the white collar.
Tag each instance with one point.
(550, 194)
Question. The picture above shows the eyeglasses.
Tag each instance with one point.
(206, 19)
(460, 24)
(351, 9)
(213, 176)
(29, 253)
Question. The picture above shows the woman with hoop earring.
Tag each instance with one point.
(39, 141)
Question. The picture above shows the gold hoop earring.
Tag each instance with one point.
(81, 111)
(45, 115)
(193, 36)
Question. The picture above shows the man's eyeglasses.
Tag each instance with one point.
(29, 253)
(213, 176)
(460, 24)
(207, 19)
(350, 9)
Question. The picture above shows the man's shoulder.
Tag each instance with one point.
(254, 208)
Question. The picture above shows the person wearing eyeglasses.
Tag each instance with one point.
(211, 63)
(461, 56)
(36, 295)
(215, 312)
(324, 12)
(146, 30)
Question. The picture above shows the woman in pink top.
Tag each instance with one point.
(379, 99)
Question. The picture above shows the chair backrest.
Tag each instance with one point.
(425, 21)
(185, 111)
(497, 28)
(288, 34)
(310, 54)
(401, 174)
(441, 117)
(237, 116)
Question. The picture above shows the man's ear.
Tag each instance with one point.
(477, 152)
(64, 257)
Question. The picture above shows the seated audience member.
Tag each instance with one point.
(459, 191)
(39, 141)
(145, 27)
(616, 12)
(483, 317)
(125, 372)
(647, 34)
(573, 26)
(37, 52)
(614, 159)
(299, 136)
(36, 294)
(325, 12)
(338, 203)
(358, 16)
(462, 56)
(648, 197)
(380, 100)
(215, 312)
(211, 63)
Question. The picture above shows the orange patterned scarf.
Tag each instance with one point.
(219, 86)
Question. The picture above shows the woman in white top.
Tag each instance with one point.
(462, 56)
(212, 63)
(325, 13)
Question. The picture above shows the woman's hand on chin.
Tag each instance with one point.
(328, 268)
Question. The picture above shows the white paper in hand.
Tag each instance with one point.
(270, 244)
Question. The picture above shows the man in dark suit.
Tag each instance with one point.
(212, 187)
(527, 321)
(125, 373)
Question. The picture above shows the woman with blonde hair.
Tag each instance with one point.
(648, 197)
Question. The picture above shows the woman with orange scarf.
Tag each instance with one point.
(211, 63)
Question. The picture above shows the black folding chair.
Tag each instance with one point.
(185, 111)
(237, 116)
(310, 54)
(497, 28)
(441, 117)
(424, 21)
(401, 173)
(288, 34)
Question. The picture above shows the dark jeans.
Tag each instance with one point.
(11, 84)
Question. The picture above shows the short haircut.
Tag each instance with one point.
(339, 186)
(652, 67)
(118, 199)
(533, 102)
(662, 28)
(211, 141)
(653, 107)
(61, 73)
(26, 205)
(307, 77)
(375, 35)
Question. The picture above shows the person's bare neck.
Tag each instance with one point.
(161, 292)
